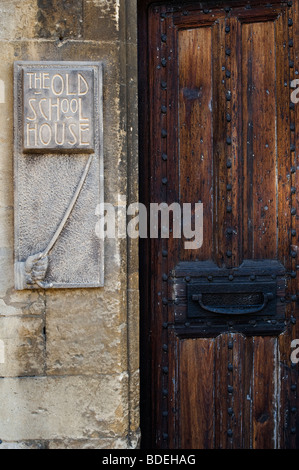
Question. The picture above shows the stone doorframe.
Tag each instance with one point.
(86, 341)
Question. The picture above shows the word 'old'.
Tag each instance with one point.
(58, 110)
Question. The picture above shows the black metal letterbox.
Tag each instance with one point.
(249, 299)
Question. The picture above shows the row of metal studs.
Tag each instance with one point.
(164, 156)
(230, 388)
(229, 208)
(293, 408)
(229, 188)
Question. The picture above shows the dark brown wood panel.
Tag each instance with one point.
(195, 122)
(236, 368)
(220, 177)
(220, 128)
(265, 393)
(158, 263)
(259, 140)
(196, 376)
(222, 399)
(234, 131)
(294, 56)
(287, 378)
(284, 161)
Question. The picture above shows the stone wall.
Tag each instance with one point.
(70, 377)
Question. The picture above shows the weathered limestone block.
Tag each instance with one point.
(59, 19)
(133, 302)
(6, 270)
(17, 19)
(63, 408)
(24, 346)
(21, 303)
(84, 334)
(35, 445)
(6, 141)
(7, 310)
(115, 443)
(6, 197)
(6, 226)
(134, 401)
(101, 19)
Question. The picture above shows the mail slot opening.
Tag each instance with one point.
(233, 303)
(236, 298)
(240, 300)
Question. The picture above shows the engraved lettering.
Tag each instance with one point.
(72, 142)
(62, 133)
(57, 106)
(83, 87)
(83, 128)
(37, 80)
(60, 105)
(34, 131)
(65, 106)
(33, 100)
(43, 134)
(68, 92)
(41, 109)
(57, 137)
(81, 118)
(57, 81)
(72, 108)
(46, 78)
(30, 75)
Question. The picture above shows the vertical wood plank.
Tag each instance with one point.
(229, 391)
(284, 161)
(220, 148)
(222, 397)
(286, 440)
(289, 228)
(175, 246)
(295, 326)
(248, 393)
(234, 61)
(259, 140)
(196, 378)
(265, 387)
(157, 192)
(239, 391)
(200, 397)
(195, 129)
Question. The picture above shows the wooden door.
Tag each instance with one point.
(218, 126)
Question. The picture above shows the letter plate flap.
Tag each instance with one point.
(231, 299)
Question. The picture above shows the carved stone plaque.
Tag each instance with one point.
(58, 170)
(58, 109)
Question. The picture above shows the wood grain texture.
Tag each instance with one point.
(245, 395)
(294, 35)
(156, 146)
(234, 109)
(196, 378)
(265, 393)
(222, 397)
(195, 121)
(221, 220)
(259, 140)
(284, 162)
(238, 423)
